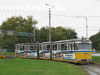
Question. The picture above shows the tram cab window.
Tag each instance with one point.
(48, 47)
(31, 47)
(84, 46)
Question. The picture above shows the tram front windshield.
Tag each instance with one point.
(84, 46)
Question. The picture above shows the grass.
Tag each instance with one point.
(6, 53)
(96, 59)
(97, 51)
(38, 67)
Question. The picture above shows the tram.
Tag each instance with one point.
(74, 50)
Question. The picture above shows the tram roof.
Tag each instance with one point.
(61, 41)
(27, 43)
(74, 40)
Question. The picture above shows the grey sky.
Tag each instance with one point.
(39, 11)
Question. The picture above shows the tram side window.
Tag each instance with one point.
(21, 47)
(35, 47)
(40, 47)
(27, 47)
(70, 46)
(75, 46)
(65, 47)
(59, 46)
(17, 48)
(31, 47)
(44, 47)
(56, 47)
(48, 47)
(53, 47)
(62, 46)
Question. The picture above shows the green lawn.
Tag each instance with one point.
(97, 51)
(6, 53)
(96, 59)
(38, 67)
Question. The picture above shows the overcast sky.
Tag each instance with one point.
(59, 13)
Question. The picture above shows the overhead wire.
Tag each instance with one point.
(87, 9)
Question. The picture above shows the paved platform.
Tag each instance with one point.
(96, 54)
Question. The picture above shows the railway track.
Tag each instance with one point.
(92, 69)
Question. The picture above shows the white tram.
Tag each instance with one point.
(74, 50)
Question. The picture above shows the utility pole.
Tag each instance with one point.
(50, 31)
(34, 32)
(86, 27)
(49, 24)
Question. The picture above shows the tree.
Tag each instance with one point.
(58, 33)
(96, 41)
(18, 24)
(43, 34)
(9, 43)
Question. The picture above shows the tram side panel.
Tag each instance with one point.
(64, 55)
(26, 51)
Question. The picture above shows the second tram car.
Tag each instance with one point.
(74, 50)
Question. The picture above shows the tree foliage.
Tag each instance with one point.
(96, 41)
(58, 33)
(18, 24)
